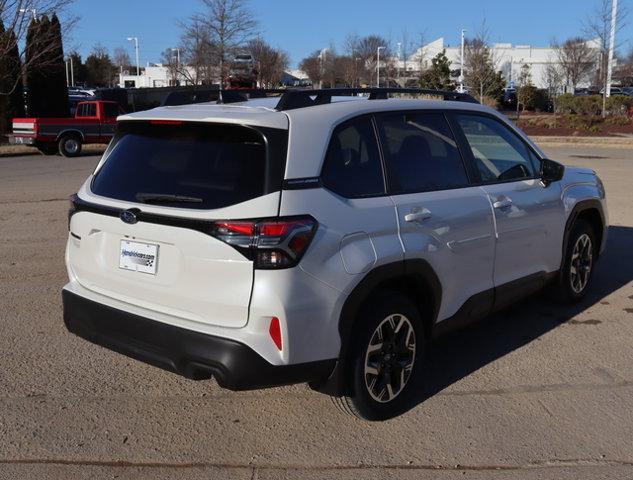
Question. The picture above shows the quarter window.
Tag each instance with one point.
(352, 164)
(421, 153)
(87, 110)
(499, 154)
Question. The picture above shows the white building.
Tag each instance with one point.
(508, 59)
(152, 75)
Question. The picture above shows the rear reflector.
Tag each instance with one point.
(275, 332)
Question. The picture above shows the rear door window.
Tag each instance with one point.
(352, 165)
(199, 166)
(421, 153)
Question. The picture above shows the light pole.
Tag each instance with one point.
(399, 45)
(461, 66)
(378, 65)
(72, 72)
(138, 63)
(614, 23)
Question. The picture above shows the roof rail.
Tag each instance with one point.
(243, 94)
(293, 99)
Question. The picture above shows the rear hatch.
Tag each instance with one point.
(143, 227)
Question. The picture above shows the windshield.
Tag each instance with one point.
(199, 166)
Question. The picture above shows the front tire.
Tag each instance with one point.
(70, 146)
(387, 359)
(580, 257)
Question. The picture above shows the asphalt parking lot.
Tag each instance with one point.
(538, 391)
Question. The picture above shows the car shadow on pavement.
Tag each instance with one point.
(459, 354)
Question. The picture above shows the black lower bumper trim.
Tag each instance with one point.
(191, 354)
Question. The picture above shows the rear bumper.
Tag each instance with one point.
(191, 354)
(21, 140)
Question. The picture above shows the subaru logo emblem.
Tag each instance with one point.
(129, 216)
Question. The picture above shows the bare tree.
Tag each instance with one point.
(355, 67)
(311, 65)
(169, 59)
(197, 52)
(577, 60)
(230, 25)
(481, 68)
(368, 52)
(407, 48)
(121, 58)
(554, 78)
(16, 15)
(270, 62)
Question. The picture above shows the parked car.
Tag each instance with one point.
(94, 122)
(509, 99)
(320, 238)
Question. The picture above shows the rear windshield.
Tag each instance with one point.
(200, 166)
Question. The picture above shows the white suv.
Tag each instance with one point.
(319, 237)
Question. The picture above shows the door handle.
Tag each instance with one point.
(417, 215)
(504, 202)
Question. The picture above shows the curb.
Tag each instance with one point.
(600, 141)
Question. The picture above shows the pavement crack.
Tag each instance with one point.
(557, 387)
(42, 200)
(552, 463)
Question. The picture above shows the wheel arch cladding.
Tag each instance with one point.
(591, 212)
(414, 278)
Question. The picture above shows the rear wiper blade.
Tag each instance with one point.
(166, 198)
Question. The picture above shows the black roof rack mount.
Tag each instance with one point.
(290, 99)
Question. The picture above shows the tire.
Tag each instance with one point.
(70, 146)
(47, 148)
(580, 259)
(379, 395)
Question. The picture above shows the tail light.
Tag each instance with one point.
(271, 244)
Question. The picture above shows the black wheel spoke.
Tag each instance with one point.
(389, 358)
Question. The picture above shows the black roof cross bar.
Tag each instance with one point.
(293, 99)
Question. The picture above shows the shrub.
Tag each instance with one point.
(563, 103)
(618, 104)
(620, 120)
(490, 102)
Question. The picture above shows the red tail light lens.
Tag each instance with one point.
(271, 244)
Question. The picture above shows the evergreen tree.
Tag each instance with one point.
(438, 77)
(35, 81)
(11, 103)
(99, 68)
(46, 72)
(56, 73)
(79, 69)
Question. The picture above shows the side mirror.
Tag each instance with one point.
(551, 171)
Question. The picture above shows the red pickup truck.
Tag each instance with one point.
(94, 122)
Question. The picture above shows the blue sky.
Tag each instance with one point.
(301, 27)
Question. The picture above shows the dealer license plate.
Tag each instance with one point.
(139, 257)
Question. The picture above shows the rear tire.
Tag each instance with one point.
(386, 363)
(70, 146)
(578, 266)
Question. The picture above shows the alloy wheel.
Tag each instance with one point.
(389, 358)
(581, 263)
